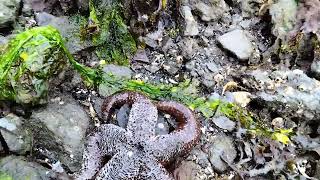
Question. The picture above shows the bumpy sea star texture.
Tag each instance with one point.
(137, 152)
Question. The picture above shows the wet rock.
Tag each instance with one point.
(123, 116)
(19, 168)
(17, 138)
(224, 123)
(8, 13)
(63, 125)
(211, 12)
(238, 43)
(162, 126)
(119, 71)
(187, 171)
(69, 29)
(289, 93)
(222, 147)
(191, 25)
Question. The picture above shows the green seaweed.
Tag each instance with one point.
(5, 176)
(30, 60)
(108, 32)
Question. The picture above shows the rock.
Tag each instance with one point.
(238, 43)
(187, 171)
(19, 168)
(284, 17)
(119, 71)
(162, 126)
(123, 116)
(53, 6)
(8, 13)
(68, 28)
(224, 123)
(191, 25)
(242, 98)
(290, 93)
(211, 12)
(60, 129)
(17, 138)
(315, 69)
(83, 5)
(213, 67)
(222, 147)
(141, 56)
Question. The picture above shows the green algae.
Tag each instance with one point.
(108, 32)
(30, 60)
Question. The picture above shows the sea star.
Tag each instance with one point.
(137, 152)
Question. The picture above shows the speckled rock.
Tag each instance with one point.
(60, 129)
(9, 11)
(211, 11)
(19, 168)
(17, 138)
(191, 25)
(222, 147)
(187, 171)
(238, 43)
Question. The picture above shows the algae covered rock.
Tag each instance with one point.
(28, 63)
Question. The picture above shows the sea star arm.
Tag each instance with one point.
(155, 171)
(118, 100)
(165, 147)
(124, 165)
(102, 142)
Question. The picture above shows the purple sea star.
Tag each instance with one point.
(137, 152)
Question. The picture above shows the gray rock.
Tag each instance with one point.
(8, 13)
(224, 123)
(293, 90)
(68, 28)
(119, 71)
(19, 168)
(83, 5)
(64, 124)
(191, 25)
(211, 12)
(123, 116)
(187, 170)
(315, 69)
(222, 147)
(3, 40)
(17, 138)
(213, 67)
(141, 56)
(162, 126)
(238, 43)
